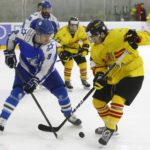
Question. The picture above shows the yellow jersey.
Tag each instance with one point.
(105, 54)
(69, 43)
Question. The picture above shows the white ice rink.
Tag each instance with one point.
(21, 132)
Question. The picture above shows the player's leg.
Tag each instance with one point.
(100, 100)
(56, 86)
(67, 74)
(81, 62)
(125, 92)
(12, 101)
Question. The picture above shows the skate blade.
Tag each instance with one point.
(114, 134)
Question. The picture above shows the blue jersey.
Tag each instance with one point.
(37, 15)
(37, 60)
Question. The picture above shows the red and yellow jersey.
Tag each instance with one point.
(69, 43)
(105, 54)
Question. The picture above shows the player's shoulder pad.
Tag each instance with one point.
(34, 16)
(26, 34)
(53, 18)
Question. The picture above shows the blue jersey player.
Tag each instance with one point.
(44, 13)
(38, 53)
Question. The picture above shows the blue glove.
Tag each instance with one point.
(99, 82)
(31, 85)
(10, 58)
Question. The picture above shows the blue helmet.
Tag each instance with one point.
(46, 4)
(44, 26)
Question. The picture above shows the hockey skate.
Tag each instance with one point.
(100, 130)
(74, 120)
(85, 84)
(68, 85)
(106, 135)
(2, 124)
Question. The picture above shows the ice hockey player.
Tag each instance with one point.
(38, 54)
(124, 82)
(70, 37)
(44, 13)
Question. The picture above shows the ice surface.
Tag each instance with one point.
(21, 132)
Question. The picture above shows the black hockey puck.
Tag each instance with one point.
(81, 134)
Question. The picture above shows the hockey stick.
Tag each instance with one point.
(46, 128)
(37, 103)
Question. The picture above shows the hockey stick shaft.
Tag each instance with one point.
(46, 128)
(37, 103)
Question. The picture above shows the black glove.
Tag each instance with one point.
(31, 85)
(84, 50)
(132, 38)
(65, 56)
(99, 82)
(10, 58)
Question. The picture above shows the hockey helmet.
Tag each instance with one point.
(73, 24)
(96, 27)
(73, 20)
(46, 4)
(44, 26)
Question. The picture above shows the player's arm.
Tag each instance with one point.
(144, 38)
(50, 56)
(30, 21)
(10, 56)
(55, 23)
(98, 71)
(64, 55)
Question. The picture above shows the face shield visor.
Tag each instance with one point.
(73, 26)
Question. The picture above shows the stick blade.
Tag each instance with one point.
(46, 128)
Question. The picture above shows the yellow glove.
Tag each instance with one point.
(99, 82)
(84, 50)
(84, 53)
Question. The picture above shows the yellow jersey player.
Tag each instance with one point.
(74, 47)
(124, 82)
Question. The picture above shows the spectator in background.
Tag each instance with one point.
(133, 13)
(138, 12)
(148, 18)
(142, 12)
(148, 22)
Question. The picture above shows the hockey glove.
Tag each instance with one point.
(99, 82)
(10, 58)
(84, 50)
(31, 85)
(65, 56)
(132, 38)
